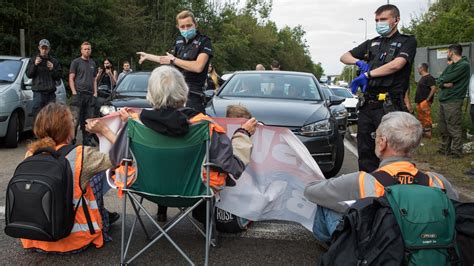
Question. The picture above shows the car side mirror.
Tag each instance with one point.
(335, 100)
(27, 84)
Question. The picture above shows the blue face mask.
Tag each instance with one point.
(189, 34)
(383, 28)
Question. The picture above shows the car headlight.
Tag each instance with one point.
(316, 129)
(107, 109)
(341, 114)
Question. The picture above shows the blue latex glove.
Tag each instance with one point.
(360, 81)
(363, 66)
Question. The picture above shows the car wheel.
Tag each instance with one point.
(339, 157)
(13, 131)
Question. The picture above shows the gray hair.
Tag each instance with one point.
(402, 130)
(167, 88)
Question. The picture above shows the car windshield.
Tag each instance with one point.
(327, 92)
(9, 70)
(342, 93)
(134, 83)
(272, 85)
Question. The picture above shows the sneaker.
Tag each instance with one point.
(113, 217)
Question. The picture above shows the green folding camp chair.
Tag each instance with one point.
(169, 172)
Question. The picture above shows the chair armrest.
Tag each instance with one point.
(108, 176)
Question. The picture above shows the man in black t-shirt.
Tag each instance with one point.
(384, 63)
(425, 92)
(191, 54)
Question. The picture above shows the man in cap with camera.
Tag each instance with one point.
(45, 72)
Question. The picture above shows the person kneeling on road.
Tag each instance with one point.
(397, 136)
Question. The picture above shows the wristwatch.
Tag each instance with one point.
(367, 74)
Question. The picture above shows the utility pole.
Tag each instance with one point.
(22, 43)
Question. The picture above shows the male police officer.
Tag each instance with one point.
(192, 55)
(384, 63)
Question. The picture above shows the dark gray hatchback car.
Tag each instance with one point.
(288, 99)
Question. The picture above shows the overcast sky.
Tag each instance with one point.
(332, 26)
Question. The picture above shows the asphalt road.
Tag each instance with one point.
(265, 243)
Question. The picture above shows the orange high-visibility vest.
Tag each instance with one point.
(373, 188)
(216, 179)
(80, 235)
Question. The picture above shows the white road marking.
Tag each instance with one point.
(350, 147)
(2, 212)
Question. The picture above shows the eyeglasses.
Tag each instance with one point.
(373, 135)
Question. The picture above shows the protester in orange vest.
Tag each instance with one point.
(54, 127)
(397, 136)
(167, 93)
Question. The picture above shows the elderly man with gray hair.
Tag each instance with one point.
(396, 138)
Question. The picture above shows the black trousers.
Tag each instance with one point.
(83, 107)
(370, 116)
(196, 101)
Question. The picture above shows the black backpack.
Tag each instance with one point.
(368, 234)
(39, 200)
(465, 231)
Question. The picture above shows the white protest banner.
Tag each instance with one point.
(272, 186)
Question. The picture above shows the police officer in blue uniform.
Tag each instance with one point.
(192, 54)
(384, 64)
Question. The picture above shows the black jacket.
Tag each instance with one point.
(44, 80)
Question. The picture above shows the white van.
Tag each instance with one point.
(16, 99)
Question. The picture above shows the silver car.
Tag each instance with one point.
(16, 99)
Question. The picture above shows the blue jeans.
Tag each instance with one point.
(325, 222)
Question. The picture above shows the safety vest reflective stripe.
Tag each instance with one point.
(92, 203)
(435, 181)
(71, 157)
(369, 187)
(362, 184)
(84, 227)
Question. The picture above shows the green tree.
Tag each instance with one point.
(447, 21)
(117, 29)
(318, 70)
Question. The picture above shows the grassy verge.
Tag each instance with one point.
(453, 169)
(428, 159)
